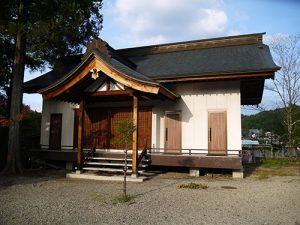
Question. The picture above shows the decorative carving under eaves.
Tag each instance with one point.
(99, 44)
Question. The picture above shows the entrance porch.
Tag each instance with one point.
(113, 160)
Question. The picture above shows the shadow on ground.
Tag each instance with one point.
(32, 176)
(250, 168)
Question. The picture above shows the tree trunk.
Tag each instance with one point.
(14, 162)
(290, 130)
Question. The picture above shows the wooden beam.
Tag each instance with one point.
(53, 154)
(225, 162)
(125, 79)
(166, 93)
(135, 135)
(208, 77)
(108, 93)
(67, 84)
(98, 63)
(192, 45)
(80, 134)
(107, 84)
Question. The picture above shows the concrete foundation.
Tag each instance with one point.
(109, 178)
(194, 172)
(134, 175)
(238, 174)
(78, 172)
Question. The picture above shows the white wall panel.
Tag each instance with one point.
(66, 109)
(196, 100)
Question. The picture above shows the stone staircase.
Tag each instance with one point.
(112, 164)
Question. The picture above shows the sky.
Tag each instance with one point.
(132, 23)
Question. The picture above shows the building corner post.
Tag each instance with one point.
(80, 135)
(135, 136)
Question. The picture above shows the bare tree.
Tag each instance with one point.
(125, 129)
(286, 53)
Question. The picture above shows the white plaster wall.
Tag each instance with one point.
(66, 109)
(197, 99)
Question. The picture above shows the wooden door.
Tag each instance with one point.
(55, 131)
(100, 127)
(144, 126)
(96, 128)
(117, 115)
(172, 133)
(217, 133)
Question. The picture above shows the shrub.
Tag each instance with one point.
(122, 198)
(193, 186)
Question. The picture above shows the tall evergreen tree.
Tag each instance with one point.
(41, 32)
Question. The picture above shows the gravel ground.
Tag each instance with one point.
(52, 199)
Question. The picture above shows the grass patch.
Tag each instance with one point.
(265, 174)
(123, 199)
(268, 163)
(262, 176)
(228, 187)
(193, 186)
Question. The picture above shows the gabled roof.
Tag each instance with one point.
(124, 69)
(206, 62)
(235, 57)
(104, 62)
(207, 57)
(50, 77)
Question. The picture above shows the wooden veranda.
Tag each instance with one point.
(187, 158)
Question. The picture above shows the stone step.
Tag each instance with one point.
(111, 164)
(106, 164)
(109, 169)
(105, 169)
(110, 159)
(115, 159)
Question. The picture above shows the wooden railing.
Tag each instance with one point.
(62, 148)
(142, 155)
(190, 151)
(145, 151)
(90, 153)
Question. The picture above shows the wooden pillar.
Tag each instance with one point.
(135, 135)
(80, 134)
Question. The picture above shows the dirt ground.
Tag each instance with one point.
(265, 196)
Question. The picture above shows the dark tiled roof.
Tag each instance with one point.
(228, 55)
(45, 80)
(50, 77)
(122, 67)
(219, 60)
(107, 58)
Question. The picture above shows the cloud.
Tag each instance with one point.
(209, 22)
(234, 32)
(238, 20)
(159, 21)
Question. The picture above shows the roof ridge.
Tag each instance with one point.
(104, 47)
(255, 38)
